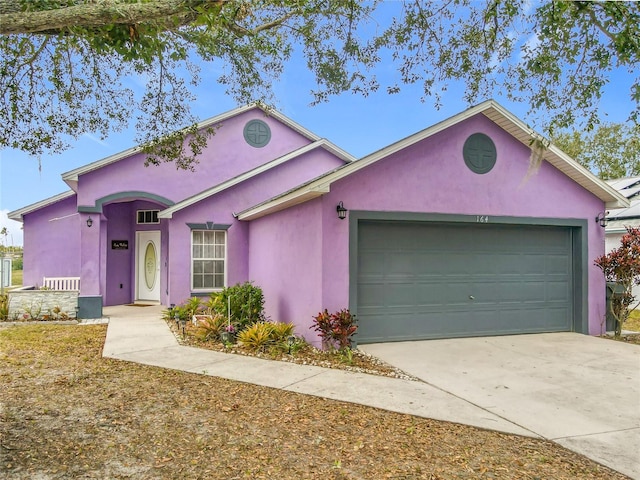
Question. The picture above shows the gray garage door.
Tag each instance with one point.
(421, 280)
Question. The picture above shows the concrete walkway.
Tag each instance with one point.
(138, 334)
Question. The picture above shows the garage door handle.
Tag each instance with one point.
(471, 297)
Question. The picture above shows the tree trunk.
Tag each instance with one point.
(91, 14)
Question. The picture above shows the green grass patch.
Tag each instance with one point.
(16, 277)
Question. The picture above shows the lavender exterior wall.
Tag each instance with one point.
(52, 242)
(114, 192)
(286, 260)
(430, 176)
(119, 266)
(226, 156)
(219, 209)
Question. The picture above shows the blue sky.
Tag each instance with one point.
(357, 124)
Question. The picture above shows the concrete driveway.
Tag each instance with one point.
(579, 391)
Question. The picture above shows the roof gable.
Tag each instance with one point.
(322, 143)
(490, 109)
(19, 214)
(71, 177)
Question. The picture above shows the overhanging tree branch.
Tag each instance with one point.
(166, 13)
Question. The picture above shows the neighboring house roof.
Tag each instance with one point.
(71, 177)
(493, 111)
(322, 143)
(624, 184)
(620, 218)
(18, 214)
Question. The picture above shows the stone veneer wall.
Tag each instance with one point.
(39, 303)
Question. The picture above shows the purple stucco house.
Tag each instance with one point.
(447, 232)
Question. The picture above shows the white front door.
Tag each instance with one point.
(148, 266)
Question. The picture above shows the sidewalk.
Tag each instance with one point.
(138, 334)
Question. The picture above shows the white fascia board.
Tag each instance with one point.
(337, 151)
(563, 162)
(168, 212)
(18, 214)
(290, 123)
(71, 177)
(287, 200)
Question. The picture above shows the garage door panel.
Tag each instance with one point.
(558, 292)
(558, 264)
(533, 263)
(419, 281)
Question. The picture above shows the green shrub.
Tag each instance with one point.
(193, 306)
(209, 328)
(181, 311)
(297, 345)
(335, 329)
(257, 337)
(247, 304)
(281, 331)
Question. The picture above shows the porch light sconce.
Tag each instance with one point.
(89, 222)
(342, 212)
(602, 219)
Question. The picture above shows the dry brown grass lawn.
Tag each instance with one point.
(633, 322)
(68, 413)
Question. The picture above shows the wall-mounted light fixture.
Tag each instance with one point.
(602, 219)
(89, 222)
(342, 212)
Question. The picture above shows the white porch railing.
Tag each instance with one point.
(61, 283)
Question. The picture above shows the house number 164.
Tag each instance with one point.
(482, 218)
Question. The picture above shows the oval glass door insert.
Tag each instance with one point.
(150, 260)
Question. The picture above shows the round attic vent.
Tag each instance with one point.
(257, 133)
(479, 153)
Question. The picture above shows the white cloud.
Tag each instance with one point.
(95, 139)
(14, 230)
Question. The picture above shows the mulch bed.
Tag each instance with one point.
(358, 362)
(627, 338)
(68, 413)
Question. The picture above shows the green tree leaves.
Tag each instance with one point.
(67, 65)
(610, 151)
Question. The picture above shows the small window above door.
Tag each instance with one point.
(148, 216)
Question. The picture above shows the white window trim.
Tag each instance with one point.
(138, 222)
(226, 263)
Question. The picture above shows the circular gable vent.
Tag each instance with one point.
(257, 133)
(479, 153)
